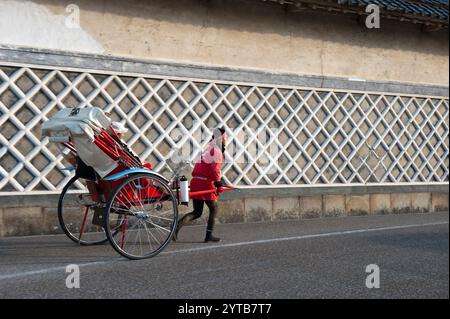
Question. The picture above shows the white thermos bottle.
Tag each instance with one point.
(184, 191)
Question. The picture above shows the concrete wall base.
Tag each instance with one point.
(37, 214)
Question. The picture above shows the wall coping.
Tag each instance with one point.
(316, 190)
(133, 66)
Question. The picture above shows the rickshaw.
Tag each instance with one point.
(113, 195)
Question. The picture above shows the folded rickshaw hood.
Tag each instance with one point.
(78, 121)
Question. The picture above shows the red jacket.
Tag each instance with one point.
(207, 171)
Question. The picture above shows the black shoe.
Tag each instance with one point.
(209, 238)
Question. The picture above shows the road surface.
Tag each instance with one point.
(322, 258)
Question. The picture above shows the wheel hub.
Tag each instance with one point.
(141, 215)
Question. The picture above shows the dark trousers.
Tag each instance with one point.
(198, 211)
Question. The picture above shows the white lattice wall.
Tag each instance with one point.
(324, 136)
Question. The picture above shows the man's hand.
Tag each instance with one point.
(218, 184)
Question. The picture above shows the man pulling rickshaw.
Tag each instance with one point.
(207, 176)
(120, 199)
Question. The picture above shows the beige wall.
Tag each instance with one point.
(246, 34)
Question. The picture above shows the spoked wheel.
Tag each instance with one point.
(147, 210)
(75, 214)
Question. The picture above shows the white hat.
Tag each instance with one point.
(119, 127)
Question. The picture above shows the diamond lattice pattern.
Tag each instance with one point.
(321, 136)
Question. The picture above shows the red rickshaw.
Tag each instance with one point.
(113, 196)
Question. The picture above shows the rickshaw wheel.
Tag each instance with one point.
(75, 217)
(147, 211)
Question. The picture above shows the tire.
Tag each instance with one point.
(153, 221)
(73, 215)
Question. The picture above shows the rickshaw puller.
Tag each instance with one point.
(207, 176)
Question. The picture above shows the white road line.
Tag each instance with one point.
(246, 243)
(47, 270)
(264, 241)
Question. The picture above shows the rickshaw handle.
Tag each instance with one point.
(220, 190)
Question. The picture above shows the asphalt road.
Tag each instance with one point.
(324, 258)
